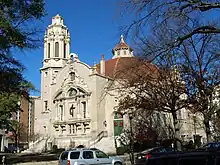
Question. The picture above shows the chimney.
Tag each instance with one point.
(102, 66)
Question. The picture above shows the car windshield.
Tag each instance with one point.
(149, 150)
(64, 156)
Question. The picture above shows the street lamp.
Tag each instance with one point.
(132, 138)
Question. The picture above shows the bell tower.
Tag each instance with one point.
(56, 56)
(56, 43)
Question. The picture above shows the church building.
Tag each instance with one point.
(73, 108)
(76, 106)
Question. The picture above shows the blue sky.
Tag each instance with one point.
(94, 26)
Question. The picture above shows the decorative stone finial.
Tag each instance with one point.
(57, 20)
(102, 57)
(122, 39)
(57, 15)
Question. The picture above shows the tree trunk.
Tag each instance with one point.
(16, 142)
(177, 143)
(207, 129)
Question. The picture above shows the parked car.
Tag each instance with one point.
(11, 149)
(83, 156)
(185, 158)
(144, 156)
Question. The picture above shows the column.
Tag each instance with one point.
(74, 128)
(2, 143)
(52, 46)
(45, 50)
(60, 130)
(70, 129)
(60, 48)
(67, 49)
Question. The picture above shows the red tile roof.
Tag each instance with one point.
(125, 67)
(121, 45)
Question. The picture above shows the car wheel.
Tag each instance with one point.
(118, 163)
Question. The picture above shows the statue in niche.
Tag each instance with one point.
(72, 110)
(72, 76)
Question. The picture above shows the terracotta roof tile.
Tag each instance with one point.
(124, 67)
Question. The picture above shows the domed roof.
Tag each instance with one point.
(123, 67)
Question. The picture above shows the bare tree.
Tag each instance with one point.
(149, 89)
(183, 29)
(17, 130)
(185, 18)
(200, 70)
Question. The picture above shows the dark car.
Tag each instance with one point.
(187, 158)
(143, 157)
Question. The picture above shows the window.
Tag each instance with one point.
(64, 50)
(74, 155)
(48, 47)
(100, 154)
(88, 155)
(118, 52)
(61, 112)
(45, 74)
(64, 156)
(56, 49)
(72, 92)
(180, 114)
(125, 52)
(216, 145)
(72, 76)
(84, 109)
(45, 105)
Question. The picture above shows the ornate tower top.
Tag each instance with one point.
(122, 49)
(56, 43)
(57, 20)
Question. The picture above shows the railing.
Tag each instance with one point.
(99, 137)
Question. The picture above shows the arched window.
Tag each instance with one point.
(64, 50)
(56, 49)
(61, 113)
(48, 47)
